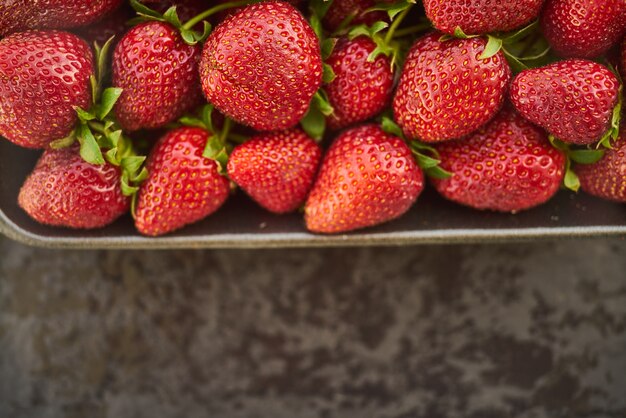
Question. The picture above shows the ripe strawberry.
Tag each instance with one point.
(446, 91)
(367, 177)
(182, 187)
(339, 10)
(573, 99)
(507, 166)
(64, 190)
(476, 17)
(43, 74)
(20, 15)
(607, 177)
(361, 89)
(262, 66)
(276, 169)
(159, 74)
(583, 28)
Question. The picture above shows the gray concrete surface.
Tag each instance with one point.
(520, 330)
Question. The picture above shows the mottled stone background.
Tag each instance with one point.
(519, 330)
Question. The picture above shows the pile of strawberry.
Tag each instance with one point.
(180, 102)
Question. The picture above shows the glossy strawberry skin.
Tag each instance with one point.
(262, 66)
(446, 92)
(507, 166)
(367, 177)
(64, 190)
(572, 99)
(276, 169)
(583, 28)
(339, 10)
(361, 89)
(43, 74)
(20, 15)
(183, 187)
(606, 178)
(476, 17)
(159, 74)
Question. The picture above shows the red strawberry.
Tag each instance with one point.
(607, 177)
(159, 74)
(262, 66)
(64, 190)
(43, 74)
(507, 166)
(20, 15)
(361, 89)
(573, 99)
(276, 169)
(339, 10)
(477, 17)
(583, 28)
(183, 187)
(446, 91)
(367, 177)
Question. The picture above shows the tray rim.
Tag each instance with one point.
(308, 240)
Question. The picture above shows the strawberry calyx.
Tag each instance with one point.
(525, 48)
(583, 156)
(314, 121)
(98, 131)
(217, 147)
(189, 35)
(427, 157)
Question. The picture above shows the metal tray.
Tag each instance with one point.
(241, 223)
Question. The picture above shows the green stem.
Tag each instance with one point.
(412, 29)
(202, 16)
(396, 23)
(228, 124)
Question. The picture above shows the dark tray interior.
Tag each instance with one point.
(240, 223)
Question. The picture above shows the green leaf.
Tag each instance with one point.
(392, 9)
(189, 36)
(320, 100)
(127, 189)
(171, 16)
(207, 117)
(132, 165)
(458, 33)
(571, 180)
(206, 31)
(316, 24)
(215, 150)
(93, 84)
(319, 8)
(522, 33)
(89, 149)
(391, 127)
(558, 144)
(108, 100)
(328, 75)
(84, 115)
(64, 142)
(369, 31)
(314, 123)
(192, 121)
(426, 162)
(438, 173)
(494, 45)
(328, 45)
(586, 156)
(144, 10)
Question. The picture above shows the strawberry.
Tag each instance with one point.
(159, 74)
(43, 75)
(583, 28)
(476, 17)
(573, 100)
(367, 177)
(20, 15)
(507, 166)
(361, 89)
(276, 169)
(182, 187)
(262, 66)
(340, 10)
(607, 177)
(64, 190)
(446, 90)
